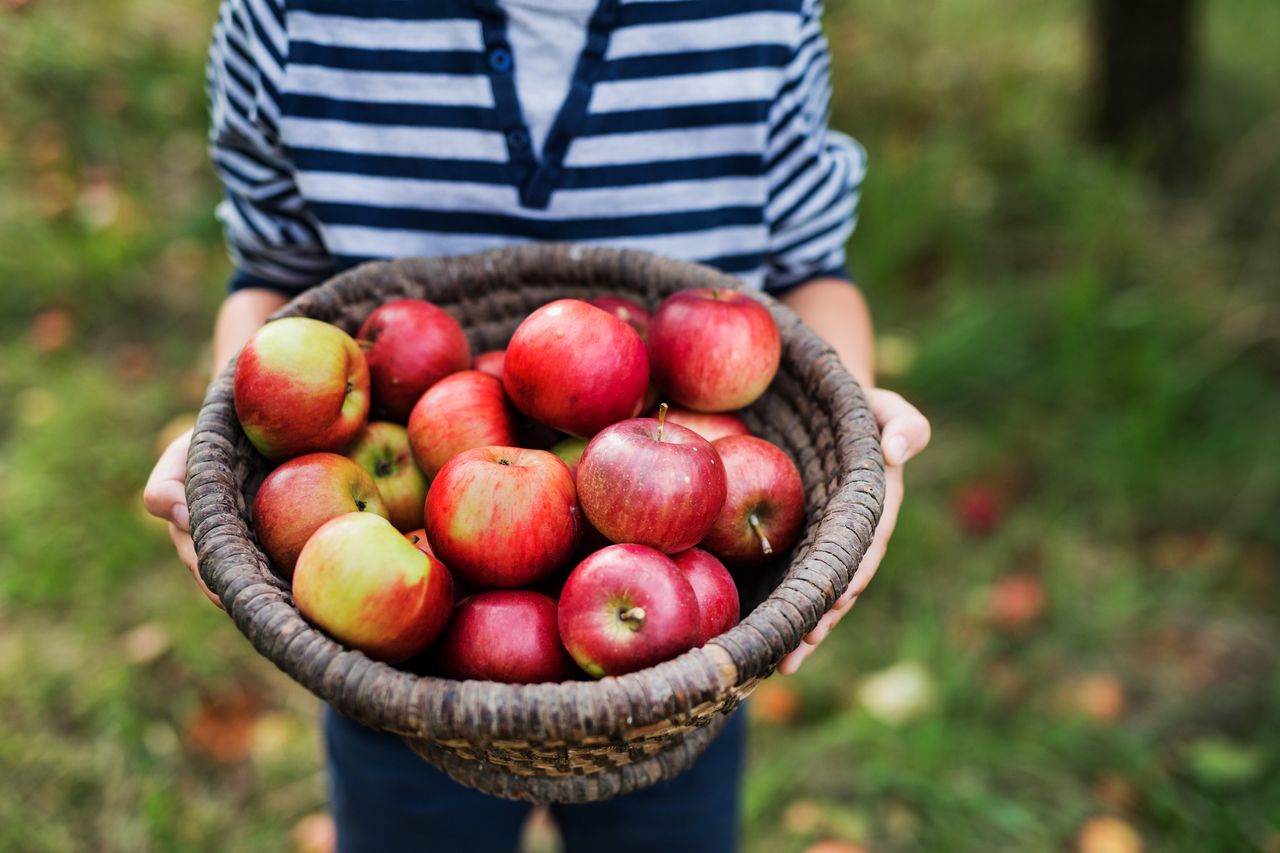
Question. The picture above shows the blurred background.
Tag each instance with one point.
(1071, 240)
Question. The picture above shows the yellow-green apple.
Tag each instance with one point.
(301, 386)
(503, 516)
(713, 350)
(369, 587)
(383, 450)
(627, 607)
(463, 411)
(410, 345)
(715, 590)
(507, 635)
(654, 483)
(570, 452)
(627, 310)
(764, 509)
(709, 425)
(302, 494)
(491, 362)
(576, 368)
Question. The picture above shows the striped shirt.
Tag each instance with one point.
(696, 129)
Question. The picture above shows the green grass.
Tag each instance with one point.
(1096, 351)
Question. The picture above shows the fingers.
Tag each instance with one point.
(904, 431)
(187, 553)
(165, 494)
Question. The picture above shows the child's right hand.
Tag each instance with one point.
(166, 497)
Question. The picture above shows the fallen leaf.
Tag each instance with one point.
(51, 330)
(1101, 697)
(145, 643)
(134, 362)
(1107, 834)
(272, 733)
(803, 817)
(898, 694)
(775, 702)
(315, 833)
(221, 729)
(1016, 601)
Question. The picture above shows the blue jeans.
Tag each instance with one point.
(385, 799)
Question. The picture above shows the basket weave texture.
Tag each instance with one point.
(578, 741)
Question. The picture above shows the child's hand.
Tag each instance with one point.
(166, 497)
(904, 432)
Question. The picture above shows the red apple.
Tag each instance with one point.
(715, 590)
(410, 345)
(302, 494)
(383, 450)
(627, 310)
(491, 362)
(503, 516)
(764, 509)
(709, 425)
(460, 412)
(713, 350)
(366, 585)
(576, 368)
(301, 386)
(650, 482)
(419, 537)
(627, 607)
(507, 635)
(569, 452)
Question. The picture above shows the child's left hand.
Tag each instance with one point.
(904, 432)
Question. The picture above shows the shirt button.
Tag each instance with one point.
(517, 138)
(500, 60)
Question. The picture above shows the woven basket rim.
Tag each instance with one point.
(432, 707)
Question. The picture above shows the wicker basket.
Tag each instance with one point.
(577, 741)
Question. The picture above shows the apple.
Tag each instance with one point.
(576, 368)
(714, 588)
(410, 345)
(709, 425)
(503, 516)
(491, 362)
(301, 386)
(464, 410)
(764, 509)
(383, 450)
(507, 635)
(627, 607)
(569, 452)
(646, 481)
(713, 350)
(361, 581)
(419, 537)
(627, 310)
(302, 494)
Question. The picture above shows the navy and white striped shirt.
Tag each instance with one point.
(696, 129)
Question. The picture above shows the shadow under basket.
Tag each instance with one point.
(577, 741)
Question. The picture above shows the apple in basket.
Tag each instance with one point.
(301, 386)
(364, 583)
(627, 607)
(503, 516)
(410, 345)
(460, 412)
(491, 362)
(627, 310)
(714, 588)
(652, 483)
(764, 510)
(713, 350)
(576, 368)
(507, 635)
(419, 537)
(383, 450)
(302, 494)
(709, 425)
(569, 452)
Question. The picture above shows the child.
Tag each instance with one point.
(348, 131)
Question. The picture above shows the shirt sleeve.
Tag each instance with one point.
(814, 173)
(273, 239)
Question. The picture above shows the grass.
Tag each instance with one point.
(1097, 353)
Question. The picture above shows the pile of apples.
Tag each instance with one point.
(577, 536)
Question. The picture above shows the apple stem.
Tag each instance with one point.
(662, 418)
(754, 521)
(634, 616)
